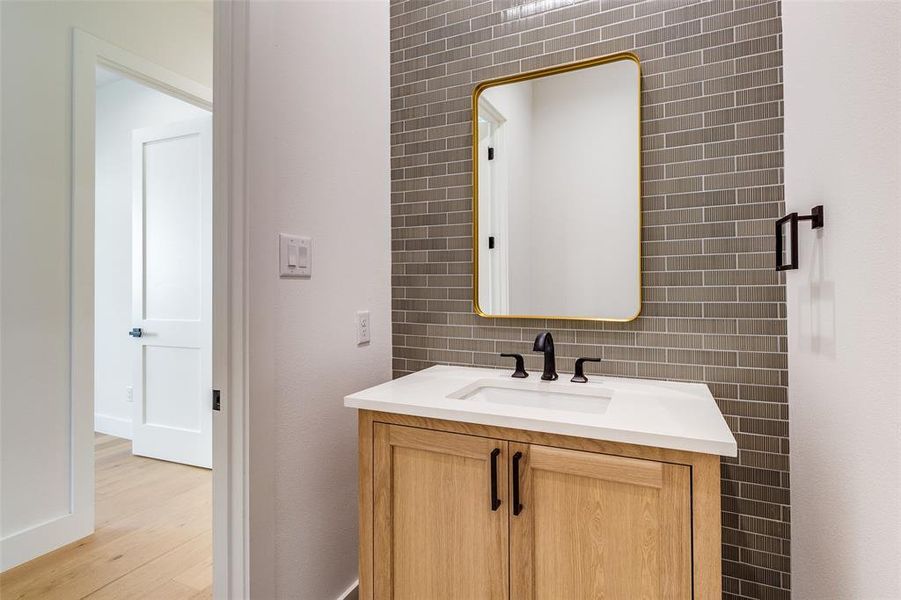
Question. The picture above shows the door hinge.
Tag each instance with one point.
(491, 242)
(490, 153)
(217, 401)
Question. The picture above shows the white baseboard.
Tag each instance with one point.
(22, 546)
(351, 593)
(114, 426)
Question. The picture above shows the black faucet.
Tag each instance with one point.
(545, 343)
(579, 374)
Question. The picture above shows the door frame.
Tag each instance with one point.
(231, 487)
(230, 473)
(499, 210)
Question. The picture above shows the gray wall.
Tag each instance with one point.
(714, 308)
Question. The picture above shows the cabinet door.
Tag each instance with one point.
(598, 526)
(440, 524)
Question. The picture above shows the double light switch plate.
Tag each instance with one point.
(295, 255)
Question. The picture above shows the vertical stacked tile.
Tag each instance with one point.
(714, 308)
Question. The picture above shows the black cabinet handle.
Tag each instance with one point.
(517, 506)
(495, 501)
(136, 332)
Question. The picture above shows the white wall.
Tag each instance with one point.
(318, 164)
(34, 258)
(842, 139)
(122, 106)
(585, 193)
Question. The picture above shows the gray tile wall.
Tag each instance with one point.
(714, 308)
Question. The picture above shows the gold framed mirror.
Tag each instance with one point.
(557, 192)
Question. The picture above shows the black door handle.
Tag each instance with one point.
(495, 501)
(517, 506)
(136, 332)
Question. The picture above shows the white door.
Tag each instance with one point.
(172, 291)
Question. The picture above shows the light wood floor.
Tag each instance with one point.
(152, 538)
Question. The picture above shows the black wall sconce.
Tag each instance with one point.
(816, 222)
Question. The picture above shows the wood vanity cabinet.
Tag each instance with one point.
(460, 511)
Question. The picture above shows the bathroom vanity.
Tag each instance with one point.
(477, 485)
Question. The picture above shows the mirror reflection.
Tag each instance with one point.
(557, 192)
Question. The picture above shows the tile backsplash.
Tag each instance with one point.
(714, 307)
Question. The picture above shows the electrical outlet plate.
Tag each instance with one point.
(364, 333)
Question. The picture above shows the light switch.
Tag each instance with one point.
(295, 255)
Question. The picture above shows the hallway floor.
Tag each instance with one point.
(152, 538)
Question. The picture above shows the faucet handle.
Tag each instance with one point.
(520, 372)
(579, 375)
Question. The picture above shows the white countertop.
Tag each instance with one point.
(663, 414)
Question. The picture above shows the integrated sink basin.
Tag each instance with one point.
(661, 414)
(558, 396)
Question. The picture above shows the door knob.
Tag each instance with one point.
(136, 332)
